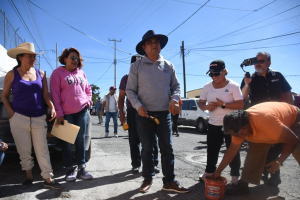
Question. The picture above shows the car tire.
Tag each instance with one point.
(88, 153)
(201, 126)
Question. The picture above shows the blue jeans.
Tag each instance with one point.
(78, 119)
(146, 130)
(134, 140)
(114, 115)
(2, 155)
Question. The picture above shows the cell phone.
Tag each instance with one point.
(250, 61)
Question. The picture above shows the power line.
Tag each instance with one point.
(247, 49)
(77, 29)
(189, 17)
(26, 27)
(103, 73)
(283, 35)
(214, 6)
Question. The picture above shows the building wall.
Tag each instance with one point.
(194, 93)
(6, 63)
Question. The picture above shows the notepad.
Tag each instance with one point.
(67, 132)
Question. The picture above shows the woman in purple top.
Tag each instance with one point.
(27, 113)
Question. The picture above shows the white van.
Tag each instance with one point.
(192, 115)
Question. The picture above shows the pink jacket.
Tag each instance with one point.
(70, 91)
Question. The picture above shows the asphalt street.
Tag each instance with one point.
(111, 168)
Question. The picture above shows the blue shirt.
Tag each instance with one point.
(98, 106)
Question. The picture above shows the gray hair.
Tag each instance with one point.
(264, 54)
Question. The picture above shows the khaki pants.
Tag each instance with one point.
(26, 129)
(257, 154)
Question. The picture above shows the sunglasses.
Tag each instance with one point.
(211, 74)
(74, 58)
(261, 61)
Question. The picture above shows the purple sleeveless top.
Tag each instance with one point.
(28, 95)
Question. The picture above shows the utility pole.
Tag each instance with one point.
(4, 30)
(183, 63)
(16, 36)
(56, 57)
(115, 61)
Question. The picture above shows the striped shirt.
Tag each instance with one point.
(123, 87)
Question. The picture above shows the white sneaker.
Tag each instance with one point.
(106, 135)
(202, 176)
(234, 180)
(116, 135)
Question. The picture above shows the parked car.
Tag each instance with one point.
(53, 142)
(192, 115)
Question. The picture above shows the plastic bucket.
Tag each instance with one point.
(215, 189)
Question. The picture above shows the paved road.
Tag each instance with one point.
(110, 165)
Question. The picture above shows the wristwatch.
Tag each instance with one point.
(224, 105)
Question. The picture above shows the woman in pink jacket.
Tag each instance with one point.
(71, 95)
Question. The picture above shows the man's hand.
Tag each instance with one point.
(216, 175)
(273, 167)
(60, 120)
(143, 112)
(174, 107)
(247, 80)
(3, 146)
(122, 117)
(53, 114)
(219, 103)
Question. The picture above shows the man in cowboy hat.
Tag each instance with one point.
(151, 83)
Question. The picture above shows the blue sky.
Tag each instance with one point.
(222, 29)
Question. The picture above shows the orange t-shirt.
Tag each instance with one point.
(267, 121)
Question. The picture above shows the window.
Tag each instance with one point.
(192, 103)
(185, 105)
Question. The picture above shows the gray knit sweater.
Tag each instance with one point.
(152, 84)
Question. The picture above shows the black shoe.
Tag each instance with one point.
(53, 184)
(274, 180)
(177, 134)
(239, 189)
(27, 183)
(135, 170)
(156, 170)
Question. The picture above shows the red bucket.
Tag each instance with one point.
(215, 189)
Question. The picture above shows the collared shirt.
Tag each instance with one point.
(112, 104)
(152, 84)
(269, 88)
(122, 86)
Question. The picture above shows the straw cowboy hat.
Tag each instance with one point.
(26, 47)
(149, 34)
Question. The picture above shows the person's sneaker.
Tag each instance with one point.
(173, 133)
(116, 135)
(234, 180)
(106, 134)
(177, 134)
(27, 183)
(175, 187)
(202, 176)
(239, 189)
(53, 184)
(145, 186)
(135, 170)
(156, 169)
(274, 180)
(83, 174)
(70, 175)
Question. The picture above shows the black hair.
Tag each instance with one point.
(18, 60)
(235, 120)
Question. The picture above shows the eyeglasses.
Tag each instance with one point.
(74, 58)
(261, 61)
(211, 74)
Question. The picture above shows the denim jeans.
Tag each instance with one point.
(2, 155)
(174, 123)
(78, 119)
(146, 130)
(134, 140)
(114, 115)
(215, 138)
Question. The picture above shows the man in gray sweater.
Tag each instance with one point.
(151, 83)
